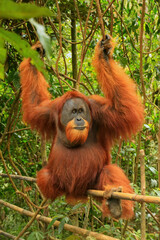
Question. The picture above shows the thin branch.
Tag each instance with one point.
(29, 179)
(64, 39)
(79, 17)
(15, 167)
(98, 193)
(100, 19)
(31, 221)
(98, 23)
(130, 35)
(102, 224)
(88, 82)
(29, 36)
(126, 29)
(30, 203)
(60, 43)
(63, 79)
(83, 53)
(18, 130)
(111, 24)
(153, 104)
(141, 50)
(10, 119)
(71, 79)
(67, 227)
(152, 51)
(149, 211)
(55, 32)
(9, 236)
(5, 166)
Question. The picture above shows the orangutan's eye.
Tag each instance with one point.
(80, 110)
(74, 111)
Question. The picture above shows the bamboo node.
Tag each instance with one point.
(108, 192)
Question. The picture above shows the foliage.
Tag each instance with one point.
(21, 147)
(18, 11)
(21, 11)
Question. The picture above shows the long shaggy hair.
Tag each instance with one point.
(120, 113)
(75, 135)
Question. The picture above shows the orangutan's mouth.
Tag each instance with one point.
(80, 128)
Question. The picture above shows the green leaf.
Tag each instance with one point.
(146, 126)
(77, 206)
(147, 28)
(43, 37)
(1, 71)
(61, 225)
(54, 219)
(154, 183)
(157, 192)
(130, 150)
(10, 9)
(3, 53)
(22, 47)
(73, 237)
(35, 236)
(153, 170)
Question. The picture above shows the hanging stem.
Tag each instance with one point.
(100, 19)
(60, 43)
(141, 51)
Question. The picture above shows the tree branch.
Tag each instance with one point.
(67, 227)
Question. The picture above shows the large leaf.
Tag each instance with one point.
(22, 47)
(10, 9)
(2, 58)
(1, 70)
(43, 37)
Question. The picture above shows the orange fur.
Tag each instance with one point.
(73, 170)
(46, 184)
(74, 135)
(38, 109)
(122, 105)
(112, 177)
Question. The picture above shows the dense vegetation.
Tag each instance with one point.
(74, 31)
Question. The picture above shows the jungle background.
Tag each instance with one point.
(71, 31)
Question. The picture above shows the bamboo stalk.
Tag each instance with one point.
(159, 156)
(142, 162)
(99, 193)
(29, 179)
(143, 187)
(9, 236)
(31, 221)
(126, 196)
(67, 227)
